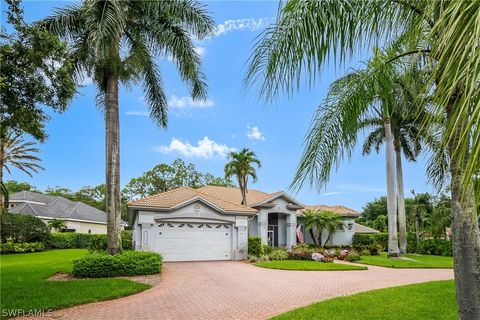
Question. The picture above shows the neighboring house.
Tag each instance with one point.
(360, 228)
(210, 223)
(78, 216)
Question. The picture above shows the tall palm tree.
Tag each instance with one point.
(17, 153)
(117, 41)
(242, 165)
(409, 138)
(308, 32)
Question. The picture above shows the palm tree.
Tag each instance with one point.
(409, 138)
(313, 223)
(320, 221)
(117, 42)
(444, 34)
(242, 166)
(56, 224)
(18, 153)
(334, 223)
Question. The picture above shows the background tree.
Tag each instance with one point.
(117, 41)
(242, 165)
(18, 153)
(56, 224)
(14, 186)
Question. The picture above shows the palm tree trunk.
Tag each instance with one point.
(466, 234)
(112, 142)
(313, 236)
(243, 190)
(2, 150)
(417, 227)
(393, 250)
(402, 222)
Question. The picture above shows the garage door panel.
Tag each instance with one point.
(193, 241)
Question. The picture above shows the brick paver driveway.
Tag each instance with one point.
(237, 290)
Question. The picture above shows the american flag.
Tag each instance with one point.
(300, 234)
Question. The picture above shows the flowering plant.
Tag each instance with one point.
(343, 254)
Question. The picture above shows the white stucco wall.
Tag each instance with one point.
(83, 227)
(144, 225)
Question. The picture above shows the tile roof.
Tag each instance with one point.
(360, 228)
(172, 198)
(43, 205)
(234, 195)
(341, 210)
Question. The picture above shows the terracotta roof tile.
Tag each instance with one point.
(341, 210)
(175, 197)
(360, 228)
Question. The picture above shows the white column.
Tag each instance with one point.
(291, 227)
(262, 222)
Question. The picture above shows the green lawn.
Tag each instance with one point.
(24, 285)
(432, 300)
(418, 261)
(306, 265)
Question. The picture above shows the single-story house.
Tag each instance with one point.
(210, 223)
(77, 216)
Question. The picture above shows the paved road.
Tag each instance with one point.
(237, 290)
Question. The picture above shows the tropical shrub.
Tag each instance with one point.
(278, 254)
(364, 252)
(301, 252)
(12, 247)
(267, 249)
(128, 263)
(352, 256)
(437, 247)
(375, 249)
(20, 228)
(255, 246)
(331, 253)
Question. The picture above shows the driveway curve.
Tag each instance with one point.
(237, 290)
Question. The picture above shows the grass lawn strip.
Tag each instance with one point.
(409, 261)
(307, 265)
(425, 301)
(25, 286)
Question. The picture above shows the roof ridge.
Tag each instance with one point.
(225, 187)
(222, 199)
(158, 194)
(77, 204)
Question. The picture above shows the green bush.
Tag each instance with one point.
(375, 249)
(278, 254)
(12, 247)
(366, 240)
(365, 252)
(94, 242)
(20, 228)
(303, 252)
(255, 246)
(267, 249)
(352, 256)
(129, 263)
(437, 247)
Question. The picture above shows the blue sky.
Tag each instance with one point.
(202, 133)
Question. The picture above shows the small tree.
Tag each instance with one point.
(242, 166)
(56, 224)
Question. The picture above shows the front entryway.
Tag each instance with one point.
(182, 241)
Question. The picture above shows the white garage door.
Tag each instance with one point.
(178, 241)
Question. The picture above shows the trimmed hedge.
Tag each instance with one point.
(96, 242)
(12, 247)
(430, 246)
(129, 263)
(255, 246)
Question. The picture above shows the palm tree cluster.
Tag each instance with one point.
(321, 221)
(439, 37)
(242, 165)
(116, 42)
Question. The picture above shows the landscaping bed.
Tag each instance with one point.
(307, 265)
(425, 301)
(409, 261)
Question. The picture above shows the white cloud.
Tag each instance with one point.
(247, 24)
(326, 194)
(205, 148)
(254, 133)
(137, 113)
(201, 51)
(187, 102)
